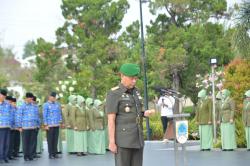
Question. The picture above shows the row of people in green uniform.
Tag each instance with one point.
(225, 117)
(86, 125)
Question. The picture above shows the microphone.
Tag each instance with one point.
(164, 90)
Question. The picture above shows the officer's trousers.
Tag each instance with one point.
(28, 138)
(52, 139)
(129, 157)
(4, 143)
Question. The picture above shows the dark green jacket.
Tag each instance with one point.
(91, 118)
(69, 115)
(204, 111)
(127, 105)
(80, 119)
(98, 119)
(246, 113)
(227, 110)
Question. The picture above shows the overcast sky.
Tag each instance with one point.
(23, 20)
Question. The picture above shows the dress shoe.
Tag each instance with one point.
(56, 156)
(51, 157)
(6, 160)
(36, 156)
(10, 158)
(17, 155)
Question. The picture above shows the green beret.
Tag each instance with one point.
(130, 69)
(247, 93)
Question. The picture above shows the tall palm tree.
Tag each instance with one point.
(242, 35)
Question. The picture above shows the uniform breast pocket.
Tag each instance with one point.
(126, 105)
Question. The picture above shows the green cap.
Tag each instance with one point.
(247, 94)
(202, 93)
(130, 69)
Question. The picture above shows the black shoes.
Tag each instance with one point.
(51, 157)
(81, 154)
(54, 156)
(205, 149)
(28, 158)
(36, 156)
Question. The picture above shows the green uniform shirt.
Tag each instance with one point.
(69, 115)
(127, 105)
(80, 119)
(204, 111)
(98, 119)
(227, 110)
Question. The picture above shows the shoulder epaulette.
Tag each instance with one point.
(115, 88)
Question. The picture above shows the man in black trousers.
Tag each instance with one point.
(15, 133)
(52, 119)
(34, 102)
(28, 121)
(5, 125)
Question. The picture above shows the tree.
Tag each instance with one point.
(88, 36)
(49, 65)
(242, 35)
(201, 44)
(3, 81)
(186, 38)
(183, 12)
(29, 49)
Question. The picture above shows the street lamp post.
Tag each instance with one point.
(144, 60)
(213, 63)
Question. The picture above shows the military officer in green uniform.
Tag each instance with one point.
(246, 117)
(228, 140)
(204, 119)
(124, 108)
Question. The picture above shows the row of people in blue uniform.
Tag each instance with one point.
(25, 119)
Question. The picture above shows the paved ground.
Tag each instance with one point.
(156, 153)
